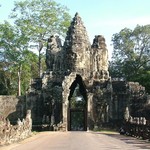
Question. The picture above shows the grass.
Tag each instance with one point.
(106, 131)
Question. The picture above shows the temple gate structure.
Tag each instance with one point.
(76, 87)
(76, 91)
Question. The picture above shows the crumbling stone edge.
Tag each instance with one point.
(12, 133)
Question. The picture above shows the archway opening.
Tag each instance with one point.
(77, 111)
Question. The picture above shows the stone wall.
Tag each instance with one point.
(129, 95)
(12, 133)
(12, 107)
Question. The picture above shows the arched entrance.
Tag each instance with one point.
(77, 110)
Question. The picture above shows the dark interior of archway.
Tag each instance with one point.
(78, 81)
(77, 108)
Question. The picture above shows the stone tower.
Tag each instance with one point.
(77, 48)
(99, 58)
(76, 71)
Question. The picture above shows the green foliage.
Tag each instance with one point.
(144, 79)
(39, 19)
(4, 80)
(131, 53)
(77, 100)
(34, 22)
(14, 59)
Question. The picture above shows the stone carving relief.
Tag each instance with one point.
(53, 47)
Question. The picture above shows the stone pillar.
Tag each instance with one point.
(65, 114)
(107, 113)
(116, 107)
(89, 110)
(66, 91)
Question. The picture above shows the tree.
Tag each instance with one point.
(10, 54)
(38, 19)
(34, 22)
(131, 53)
(4, 80)
(15, 60)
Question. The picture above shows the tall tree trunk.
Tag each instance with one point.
(40, 66)
(19, 80)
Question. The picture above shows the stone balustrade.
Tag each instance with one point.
(11, 133)
(137, 127)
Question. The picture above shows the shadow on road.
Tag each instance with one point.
(143, 144)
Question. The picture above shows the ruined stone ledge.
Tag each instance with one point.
(13, 133)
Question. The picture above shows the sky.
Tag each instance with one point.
(100, 17)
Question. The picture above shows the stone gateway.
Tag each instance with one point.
(76, 91)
